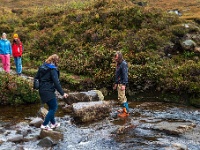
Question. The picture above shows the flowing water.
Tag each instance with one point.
(136, 132)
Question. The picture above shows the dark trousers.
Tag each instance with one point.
(53, 106)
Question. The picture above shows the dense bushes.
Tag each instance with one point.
(16, 90)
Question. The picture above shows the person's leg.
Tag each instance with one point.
(7, 62)
(123, 101)
(15, 60)
(52, 104)
(18, 64)
(3, 59)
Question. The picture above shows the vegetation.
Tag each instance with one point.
(85, 34)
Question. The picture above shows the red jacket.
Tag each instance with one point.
(17, 49)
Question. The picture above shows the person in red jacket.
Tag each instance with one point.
(17, 50)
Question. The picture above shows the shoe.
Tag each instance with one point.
(53, 126)
(123, 115)
(45, 127)
(120, 111)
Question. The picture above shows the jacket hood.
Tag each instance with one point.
(52, 66)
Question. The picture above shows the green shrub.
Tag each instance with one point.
(16, 90)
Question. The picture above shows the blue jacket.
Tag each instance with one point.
(48, 76)
(5, 47)
(121, 74)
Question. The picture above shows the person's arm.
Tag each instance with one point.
(124, 68)
(37, 75)
(56, 82)
(10, 48)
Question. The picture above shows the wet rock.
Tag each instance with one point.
(68, 108)
(1, 141)
(54, 135)
(179, 146)
(2, 130)
(15, 138)
(89, 111)
(93, 95)
(125, 129)
(23, 132)
(31, 137)
(36, 122)
(42, 112)
(46, 142)
(175, 128)
(19, 147)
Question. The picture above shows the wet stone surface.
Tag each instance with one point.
(146, 128)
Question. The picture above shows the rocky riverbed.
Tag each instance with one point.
(151, 125)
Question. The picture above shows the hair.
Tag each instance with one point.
(120, 56)
(52, 59)
(17, 41)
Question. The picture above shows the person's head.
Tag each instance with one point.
(15, 36)
(118, 57)
(4, 35)
(53, 59)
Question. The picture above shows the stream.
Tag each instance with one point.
(149, 127)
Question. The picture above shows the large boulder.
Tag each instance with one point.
(89, 111)
(56, 136)
(93, 95)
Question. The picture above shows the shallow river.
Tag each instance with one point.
(138, 132)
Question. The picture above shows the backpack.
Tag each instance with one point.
(36, 81)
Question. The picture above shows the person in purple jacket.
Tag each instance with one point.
(5, 52)
(48, 76)
(121, 81)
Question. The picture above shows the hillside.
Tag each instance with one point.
(190, 9)
(162, 49)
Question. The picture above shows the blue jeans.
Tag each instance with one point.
(53, 106)
(18, 64)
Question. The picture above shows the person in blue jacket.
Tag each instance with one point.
(5, 52)
(48, 76)
(121, 81)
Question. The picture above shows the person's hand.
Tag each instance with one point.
(65, 95)
(115, 87)
(123, 87)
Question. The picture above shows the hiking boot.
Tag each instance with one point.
(123, 115)
(45, 127)
(53, 126)
(120, 110)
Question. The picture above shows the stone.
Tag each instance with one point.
(93, 95)
(89, 111)
(46, 142)
(36, 122)
(174, 128)
(54, 135)
(15, 138)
